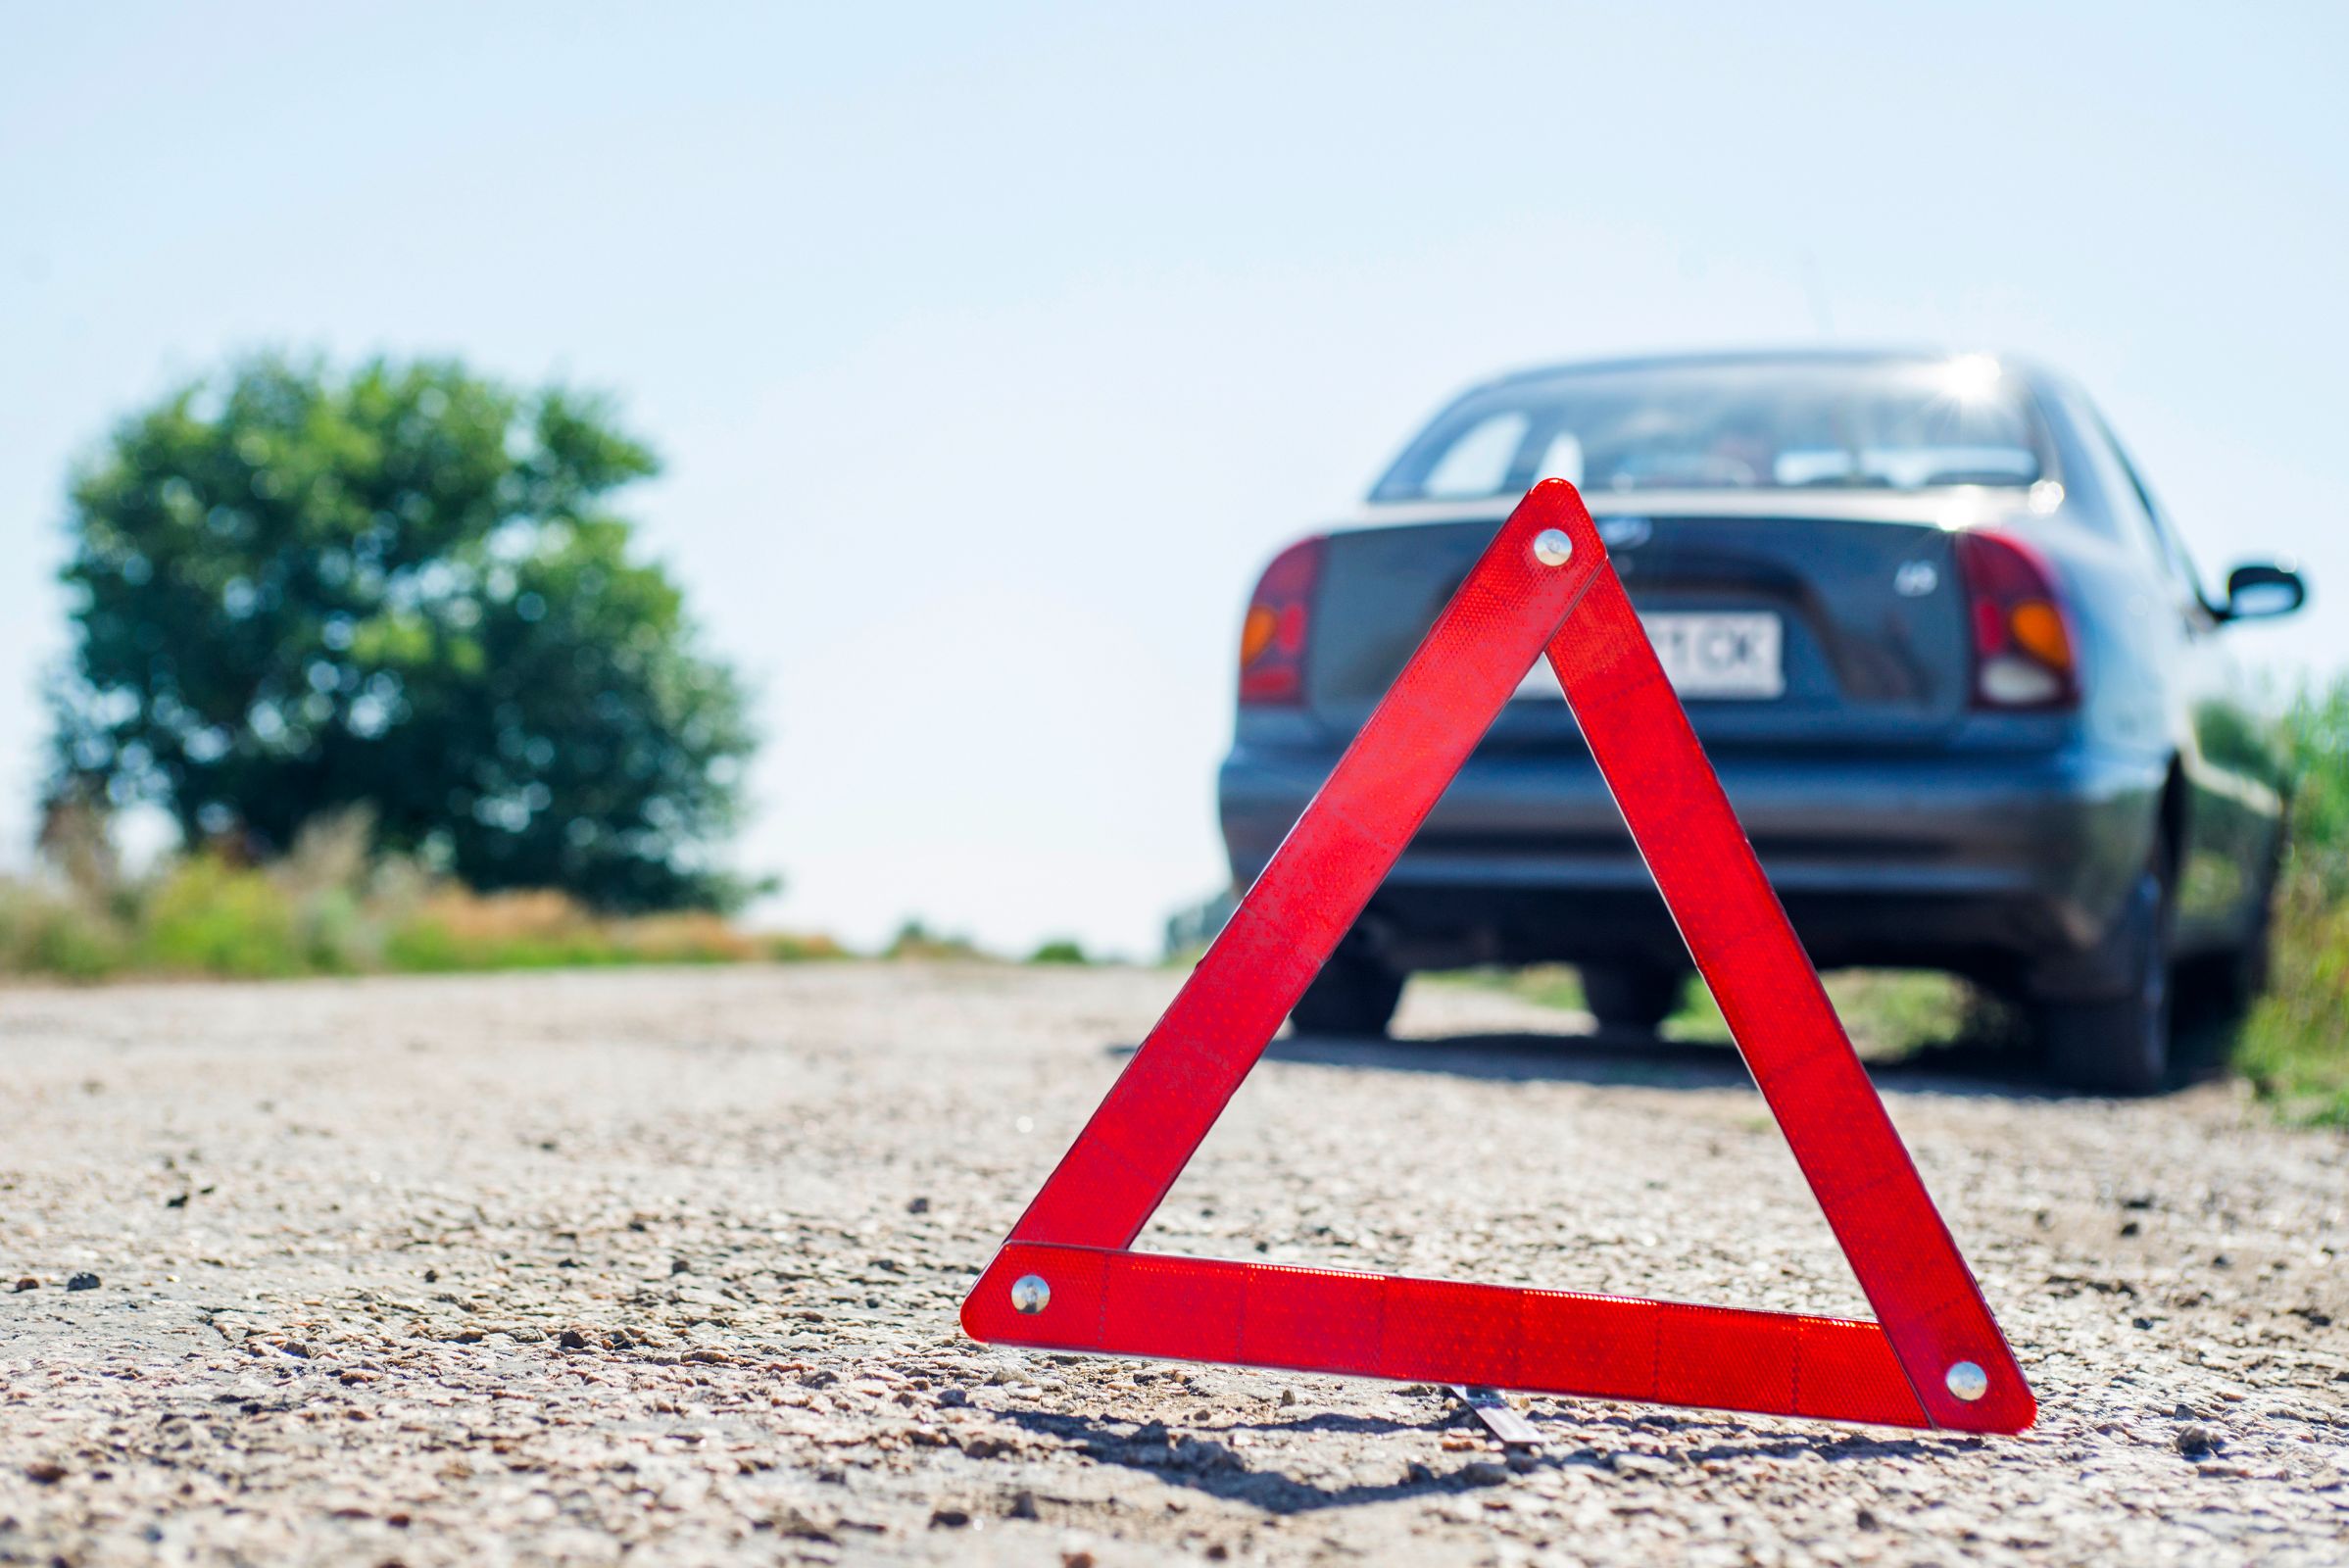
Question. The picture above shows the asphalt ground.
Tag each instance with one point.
(663, 1266)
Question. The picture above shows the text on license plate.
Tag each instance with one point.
(1703, 654)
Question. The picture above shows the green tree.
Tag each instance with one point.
(297, 589)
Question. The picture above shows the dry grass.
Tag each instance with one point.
(330, 907)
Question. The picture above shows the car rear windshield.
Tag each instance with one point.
(1898, 425)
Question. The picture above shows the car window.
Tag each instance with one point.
(1745, 424)
(1478, 462)
(1562, 460)
(2107, 491)
(2131, 502)
(2167, 546)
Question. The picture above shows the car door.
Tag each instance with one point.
(2233, 777)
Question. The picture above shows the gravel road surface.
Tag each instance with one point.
(663, 1266)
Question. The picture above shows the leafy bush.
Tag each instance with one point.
(210, 918)
(1058, 951)
(2295, 1045)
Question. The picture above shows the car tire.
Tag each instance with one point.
(2119, 1045)
(1635, 997)
(2219, 989)
(1354, 995)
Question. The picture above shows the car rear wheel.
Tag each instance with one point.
(2120, 1044)
(1631, 996)
(1355, 993)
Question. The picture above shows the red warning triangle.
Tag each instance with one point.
(1066, 1280)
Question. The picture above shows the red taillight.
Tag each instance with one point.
(1272, 639)
(2023, 647)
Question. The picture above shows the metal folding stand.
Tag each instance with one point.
(1502, 1419)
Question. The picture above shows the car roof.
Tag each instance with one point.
(1724, 358)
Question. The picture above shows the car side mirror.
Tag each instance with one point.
(2260, 589)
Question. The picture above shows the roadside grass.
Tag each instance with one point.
(916, 942)
(330, 908)
(1890, 1013)
(2294, 1046)
(45, 933)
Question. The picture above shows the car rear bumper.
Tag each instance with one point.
(2001, 864)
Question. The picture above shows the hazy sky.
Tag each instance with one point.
(991, 356)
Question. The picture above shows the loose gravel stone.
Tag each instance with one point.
(400, 1327)
(82, 1281)
(2195, 1441)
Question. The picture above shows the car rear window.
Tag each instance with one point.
(1753, 425)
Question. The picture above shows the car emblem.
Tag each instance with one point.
(1625, 533)
(1915, 579)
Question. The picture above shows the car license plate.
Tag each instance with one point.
(1703, 654)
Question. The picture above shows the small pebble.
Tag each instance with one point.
(83, 1279)
(795, 1525)
(28, 1282)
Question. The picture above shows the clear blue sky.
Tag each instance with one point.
(991, 355)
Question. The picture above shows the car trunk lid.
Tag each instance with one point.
(1782, 630)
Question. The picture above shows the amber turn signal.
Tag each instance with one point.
(1255, 633)
(2037, 628)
